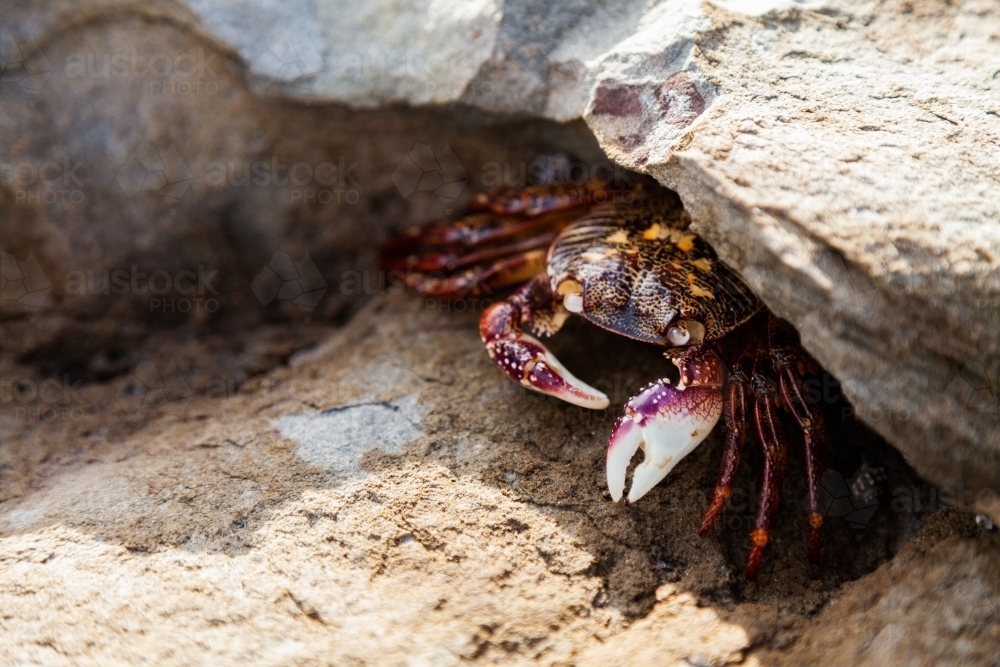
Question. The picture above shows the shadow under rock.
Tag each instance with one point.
(552, 454)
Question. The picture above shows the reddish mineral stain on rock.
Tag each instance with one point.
(680, 101)
(618, 101)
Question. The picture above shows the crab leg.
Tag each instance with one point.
(775, 448)
(437, 246)
(523, 358)
(668, 422)
(784, 344)
(478, 280)
(811, 422)
(736, 434)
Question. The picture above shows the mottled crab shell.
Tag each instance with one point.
(642, 269)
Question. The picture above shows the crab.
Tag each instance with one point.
(626, 260)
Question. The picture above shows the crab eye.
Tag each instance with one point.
(678, 336)
(684, 332)
(572, 294)
(573, 303)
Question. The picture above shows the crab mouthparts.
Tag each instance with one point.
(668, 423)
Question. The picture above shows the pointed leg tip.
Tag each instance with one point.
(815, 524)
(753, 562)
(714, 510)
(814, 550)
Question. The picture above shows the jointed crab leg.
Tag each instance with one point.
(810, 419)
(523, 358)
(437, 246)
(736, 410)
(484, 250)
(480, 279)
(772, 441)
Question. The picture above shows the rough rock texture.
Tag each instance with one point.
(841, 155)
(132, 145)
(205, 467)
(848, 175)
(475, 526)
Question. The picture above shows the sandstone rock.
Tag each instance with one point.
(852, 195)
(285, 523)
(387, 497)
(839, 154)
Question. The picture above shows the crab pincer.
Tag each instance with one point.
(525, 360)
(667, 422)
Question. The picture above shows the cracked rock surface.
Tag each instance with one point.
(469, 521)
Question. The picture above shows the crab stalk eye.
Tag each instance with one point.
(573, 303)
(678, 335)
(572, 293)
(685, 332)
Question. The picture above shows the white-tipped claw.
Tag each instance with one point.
(625, 441)
(529, 363)
(668, 423)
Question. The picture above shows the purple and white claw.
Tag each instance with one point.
(668, 423)
(529, 363)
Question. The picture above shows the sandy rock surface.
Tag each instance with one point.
(223, 439)
(841, 155)
(846, 171)
(388, 498)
